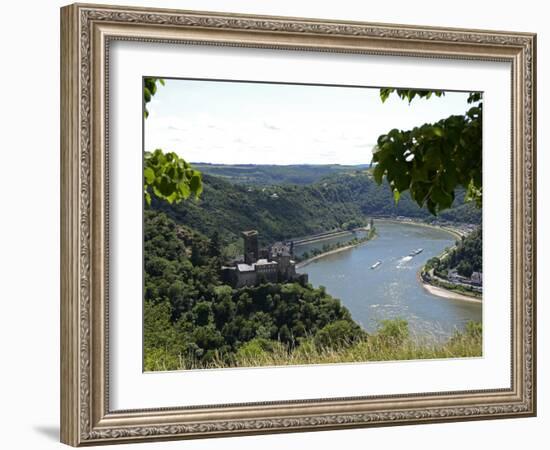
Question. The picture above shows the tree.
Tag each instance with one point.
(203, 313)
(166, 175)
(214, 247)
(433, 160)
(196, 258)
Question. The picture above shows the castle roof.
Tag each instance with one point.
(245, 267)
(265, 262)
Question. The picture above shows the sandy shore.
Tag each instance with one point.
(444, 293)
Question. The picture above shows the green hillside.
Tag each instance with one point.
(271, 174)
(192, 320)
(466, 258)
(289, 210)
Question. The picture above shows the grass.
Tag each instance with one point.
(364, 351)
(391, 343)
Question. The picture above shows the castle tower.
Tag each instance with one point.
(250, 246)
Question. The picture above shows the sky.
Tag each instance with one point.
(225, 122)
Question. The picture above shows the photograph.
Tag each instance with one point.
(289, 224)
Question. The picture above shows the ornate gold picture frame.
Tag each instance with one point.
(87, 32)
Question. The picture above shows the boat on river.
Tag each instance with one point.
(376, 264)
(416, 252)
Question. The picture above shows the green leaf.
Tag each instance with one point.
(147, 95)
(166, 174)
(385, 93)
(396, 196)
(378, 173)
(157, 193)
(441, 198)
(196, 184)
(184, 189)
(431, 207)
(166, 185)
(149, 175)
(438, 131)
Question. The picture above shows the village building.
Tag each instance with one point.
(477, 278)
(273, 265)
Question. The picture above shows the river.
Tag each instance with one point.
(392, 290)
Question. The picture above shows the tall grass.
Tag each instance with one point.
(374, 348)
(392, 342)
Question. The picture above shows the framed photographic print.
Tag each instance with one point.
(277, 224)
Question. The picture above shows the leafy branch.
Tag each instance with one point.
(433, 160)
(150, 89)
(166, 175)
(408, 94)
(169, 177)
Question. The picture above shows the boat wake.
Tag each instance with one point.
(403, 261)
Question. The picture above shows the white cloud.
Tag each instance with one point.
(271, 127)
(276, 132)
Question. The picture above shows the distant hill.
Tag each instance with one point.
(281, 211)
(269, 174)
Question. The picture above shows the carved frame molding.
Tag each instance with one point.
(86, 31)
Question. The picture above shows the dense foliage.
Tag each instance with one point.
(192, 319)
(432, 160)
(169, 177)
(466, 257)
(286, 211)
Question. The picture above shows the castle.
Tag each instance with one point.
(273, 265)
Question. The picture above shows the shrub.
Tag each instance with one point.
(395, 331)
(256, 349)
(337, 334)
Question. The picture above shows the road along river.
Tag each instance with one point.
(392, 289)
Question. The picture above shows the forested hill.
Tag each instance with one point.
(467, 257)
(192, 320)
(271, 174)
(283, 211)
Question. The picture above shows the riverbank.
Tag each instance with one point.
(439, 291)
(441, 287)
(322, 255)
(456, 232)
(445, 293)
(322, 237)
(305, 262)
